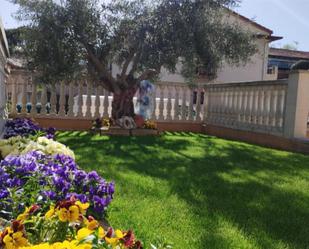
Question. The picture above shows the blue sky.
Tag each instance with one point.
(287, 18)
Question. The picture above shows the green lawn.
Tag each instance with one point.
(201, 192)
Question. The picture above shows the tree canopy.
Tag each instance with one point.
(66, 37)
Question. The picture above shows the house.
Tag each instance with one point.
(4, 53)
(283, 59)
(255, 70)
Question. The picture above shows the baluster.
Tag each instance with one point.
(266, 108)
(33, 99)
(80, 100)
(207, 107)
(191, 111)
(43, 99)
(261, 107)
(176, 103)
(230, 93)
(62, 99)
(222, 105)
(161, 104)
(198, 104)
(105, 104)
(53, 100)
(216, 104)
(234, 109)
(88, 101)
(240, 106)
(169, 104)
(280, 109)
(249, 105)
(23, 99)
(154, 111)
(184, 104)
(225, 106)
(14, 97)
(273, 110)
(229, 108)
(244, 106)
(97, 101)
(71, 99)
(254, 106)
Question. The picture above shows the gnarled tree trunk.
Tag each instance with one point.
(123, 103)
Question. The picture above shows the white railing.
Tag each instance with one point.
(276, 107)
(85, 100)
(254, 106)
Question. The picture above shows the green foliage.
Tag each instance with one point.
(16, 40)
(72, 36)
(201, 192)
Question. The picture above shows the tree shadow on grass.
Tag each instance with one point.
(250, 187)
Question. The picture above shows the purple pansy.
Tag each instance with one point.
(57, 176)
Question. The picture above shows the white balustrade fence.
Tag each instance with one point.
(86, 100)
(252, 106)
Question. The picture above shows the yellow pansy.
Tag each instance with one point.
(101, 232)
(24, 215)
(112, 241)
(50, 212)
(92, 225)
(71, 214)
(83, 233)
(82, 207)
(15, 240)
(119, 234)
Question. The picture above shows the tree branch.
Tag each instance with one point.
(135, 62)
(126, 64)
(104, 74)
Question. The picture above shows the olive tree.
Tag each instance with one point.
(66, 37)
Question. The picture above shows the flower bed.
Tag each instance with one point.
(21, 145)
(37, 169)
(36, 177)
(25, 127)
(64, 225)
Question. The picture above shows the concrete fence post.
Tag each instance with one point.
(297, 105)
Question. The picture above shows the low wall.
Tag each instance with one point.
(68, 124)
(266, 140)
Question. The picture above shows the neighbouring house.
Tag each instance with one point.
(283, 59)
(4, 54)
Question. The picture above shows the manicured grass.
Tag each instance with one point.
(201, 192)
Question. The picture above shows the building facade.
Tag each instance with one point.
(283, 59)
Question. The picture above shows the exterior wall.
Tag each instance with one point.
(3, 58)
(254, 70)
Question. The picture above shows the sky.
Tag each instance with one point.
(287, 18)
